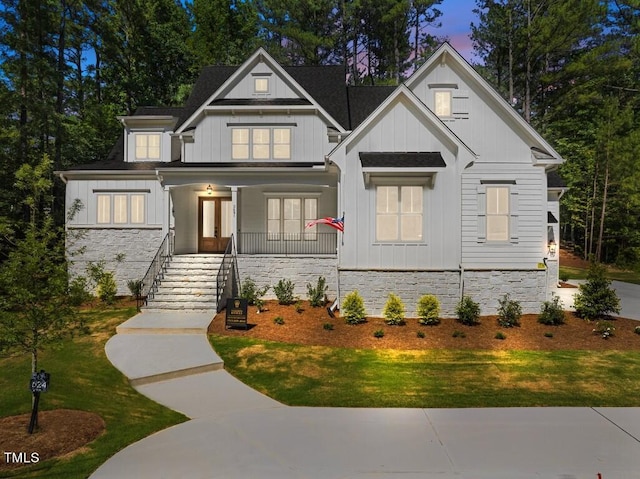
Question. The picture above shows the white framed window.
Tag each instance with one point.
(287, 217)
(399, 213)
(261, 143)
(120, 209)
(497, 213)
(442, 102)
(147, 146)
(261, 85)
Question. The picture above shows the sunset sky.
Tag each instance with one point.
(456, 18)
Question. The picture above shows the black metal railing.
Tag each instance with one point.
(227, 279)
(287, 243)
(157, 268)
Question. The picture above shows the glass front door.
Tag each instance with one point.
(214, 225)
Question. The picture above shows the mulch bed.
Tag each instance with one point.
(307, 328)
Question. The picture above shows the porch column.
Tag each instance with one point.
(166, 223)
(234, 218)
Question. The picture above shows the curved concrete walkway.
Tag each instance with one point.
(237, 432)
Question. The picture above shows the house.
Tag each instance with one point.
(443, 187)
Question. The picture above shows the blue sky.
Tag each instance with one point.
(456, 18)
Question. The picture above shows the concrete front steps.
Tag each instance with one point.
(189, 283)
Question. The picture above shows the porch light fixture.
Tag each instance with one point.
(209, 190)
(552, 247)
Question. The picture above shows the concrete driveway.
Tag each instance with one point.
(628, 293)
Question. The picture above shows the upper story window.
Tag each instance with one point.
(120, 209)
(261, 85)
(399, 213)
(147, 146)
(261, 143)
(442, 102)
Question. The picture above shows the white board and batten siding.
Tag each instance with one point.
(245, 87)
(212, 137)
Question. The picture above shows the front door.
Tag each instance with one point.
(214, 224)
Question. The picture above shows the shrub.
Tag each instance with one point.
(353, 308)
(135, 287)
(563, 276)
(509, 312)
(500, 335)
(284, 291)
(379, 333)
(250, 292)
(636, 330)
(317, 294)
(468, 311)
(604, 329)
(551, 312)
(420, 334)
(429, 310)
(327, 327)
(107, 288)
(459, 334)
(278, 320)
(548, 335)
(79, 291)
(596, 298)
(393, 311)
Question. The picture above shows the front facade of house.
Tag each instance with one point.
(442, 186)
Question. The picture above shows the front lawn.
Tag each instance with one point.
(300, 375)
(83, 378)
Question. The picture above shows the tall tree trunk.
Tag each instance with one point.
(57, 160)
(593, 212)
(605, 191)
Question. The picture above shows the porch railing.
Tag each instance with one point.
(157, 268)
(287, 243)
(227, 279)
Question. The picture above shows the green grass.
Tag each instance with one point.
(83, 378)
(320, 376)
(617, 275)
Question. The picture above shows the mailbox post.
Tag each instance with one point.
(39, 384)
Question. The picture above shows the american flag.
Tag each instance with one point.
(337, 223)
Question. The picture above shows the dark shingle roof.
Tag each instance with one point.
(554, 180)
(362, 100)
(430, 159)
(158, 111)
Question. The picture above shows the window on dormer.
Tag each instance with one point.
(147, 146)
(442, 102)
(261, 85)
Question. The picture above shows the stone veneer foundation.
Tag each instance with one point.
(136, 246)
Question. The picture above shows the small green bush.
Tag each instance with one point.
(548, 335)
(459, 334)
(317, 293)
(393, 311)
(564, 276)
(353, 308)
(298, 306)
(468, 311)
(379, 333)
(107, 288)
(500, 335)
(420, 334)
(327, 327)
(551, 312)
(429, 310)
(595, 298)
(135, 287)
(636, 330)
(509, 312)
(284, 291)
(278, 320)
(250, 292)
(604, 329)
(79, 291)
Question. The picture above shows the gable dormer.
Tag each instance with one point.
(147, 135)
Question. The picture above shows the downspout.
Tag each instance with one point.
(461, 293)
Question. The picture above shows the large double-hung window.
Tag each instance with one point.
(399, 213)
(261, 143)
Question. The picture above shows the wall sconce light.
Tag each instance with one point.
(209, 190)
(552, 248)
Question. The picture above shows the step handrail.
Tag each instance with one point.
(228, 266)
(157, 268)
